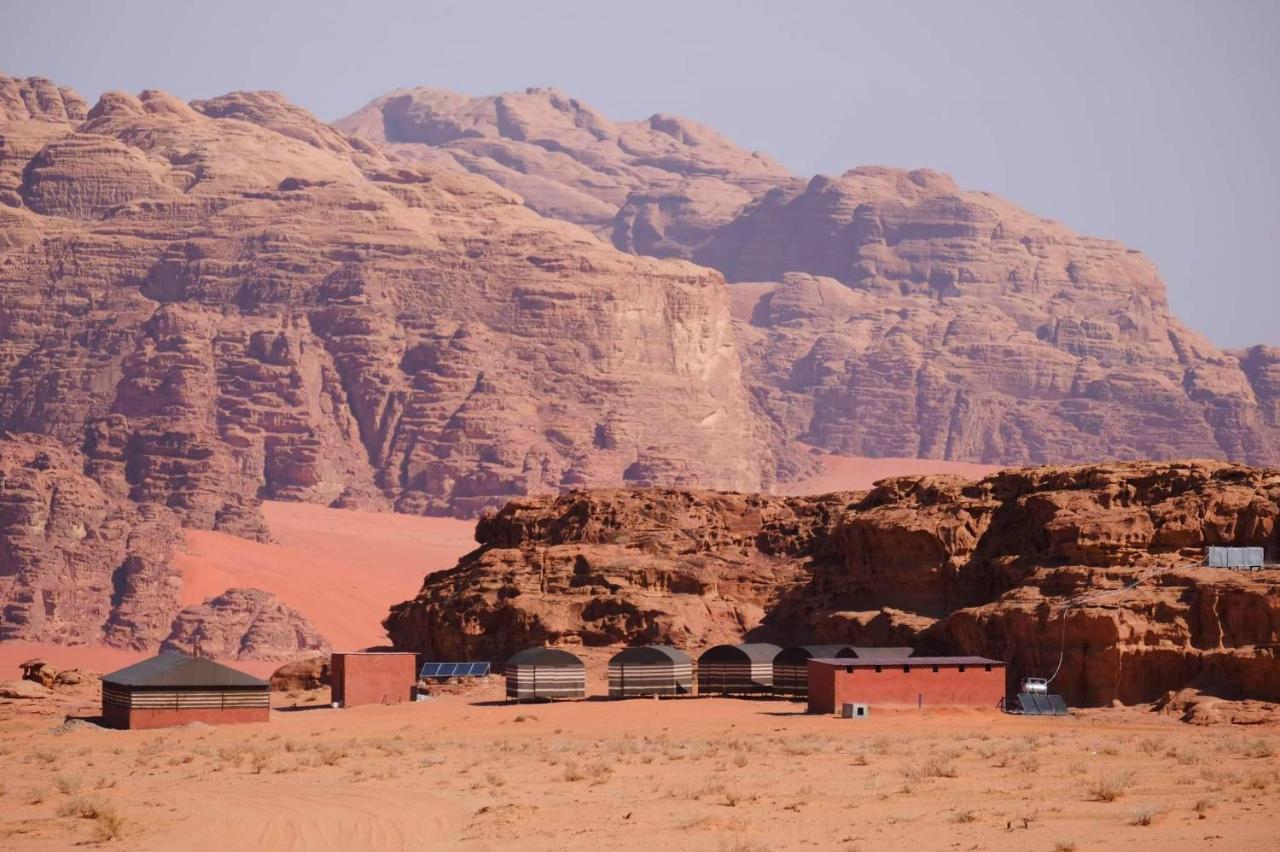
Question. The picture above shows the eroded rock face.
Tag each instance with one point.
(229, 300)
(77, 564)
(916, 319)
(887, 312)
(946, 565)
(657, 187)
(243, 624)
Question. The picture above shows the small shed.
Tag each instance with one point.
(906, 682)
(650, 670)
(737, 669)
(174, 689)
(545, 673)
(372, 677)
(791, 670)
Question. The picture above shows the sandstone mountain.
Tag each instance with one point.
(936, 562)
(884, 312)
(228, 300)
(656, 187)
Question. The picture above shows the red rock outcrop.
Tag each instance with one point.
(228, 300)
(78, 565)
(983, 567)
(243, 624)
(301, 675)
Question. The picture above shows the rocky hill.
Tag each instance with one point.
(228, 300)
(886, 312)
(946, 565)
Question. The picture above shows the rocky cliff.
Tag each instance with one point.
(946, 565)
(885, 312)
(78, 565)
(228, 300)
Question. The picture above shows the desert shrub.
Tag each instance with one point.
(68, 785)
(1108, 788)
(1144, 816)
(964, 817)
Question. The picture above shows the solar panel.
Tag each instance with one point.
(448, 670)
(1029, 706)
(1058, 705)
(1042, 701)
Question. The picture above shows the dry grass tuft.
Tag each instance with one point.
(1108, 788)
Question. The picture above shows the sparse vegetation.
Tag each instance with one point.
(1108, 788)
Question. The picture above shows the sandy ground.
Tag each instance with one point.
(469, 772)
(342, 569)
(855, 473)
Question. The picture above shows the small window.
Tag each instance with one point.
(848, 669)
(935, 669)
(988, 668)
(961, 668)
(879, 669)
(906, 669)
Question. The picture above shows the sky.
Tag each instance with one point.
(1153, 122)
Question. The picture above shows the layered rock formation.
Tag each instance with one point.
(913, 318)
(984, 567)
(889, 312)
(656, 187)
(228, 300)
(243, 624)
(77, 564)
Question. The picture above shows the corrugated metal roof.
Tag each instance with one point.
(864, 652)
(800, 653)
(544, 657)
(910, 661)
(650, 654)
(172, 669)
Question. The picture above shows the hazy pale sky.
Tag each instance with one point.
(1154, 122)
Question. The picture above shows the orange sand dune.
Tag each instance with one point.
(340, 568)
(856, 473)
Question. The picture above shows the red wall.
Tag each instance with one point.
(373, 678)
(138, 719)
(830, 686)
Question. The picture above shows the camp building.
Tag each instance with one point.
(737, 669)
(545, 673)
(174, 689)
(650, 670)
(911, 682)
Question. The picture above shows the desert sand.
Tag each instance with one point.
(857, 473)
(340, 568)
(467, 771)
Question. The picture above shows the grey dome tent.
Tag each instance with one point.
(791, 666)
(545, 673)
(737, 669)
(650, 670)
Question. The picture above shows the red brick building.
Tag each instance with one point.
(372, 677)
(174, 689)
(912, 682)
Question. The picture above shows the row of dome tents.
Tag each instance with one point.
(746, 669)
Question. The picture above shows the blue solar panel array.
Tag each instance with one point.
(444, 670)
